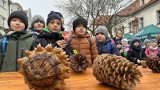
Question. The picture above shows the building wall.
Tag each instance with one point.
(5, 10)
(149, 15)
(4, 14)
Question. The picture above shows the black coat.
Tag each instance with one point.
(135, 53)
(50, 38)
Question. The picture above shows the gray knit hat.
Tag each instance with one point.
(154, 40)
(37, 18)
(146, 41)
(101, 29)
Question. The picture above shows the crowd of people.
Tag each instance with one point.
(19, 37)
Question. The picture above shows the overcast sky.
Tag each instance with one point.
(41, 7)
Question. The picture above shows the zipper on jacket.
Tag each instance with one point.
(78, 44)
(17, 45)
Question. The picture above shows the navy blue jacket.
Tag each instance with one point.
(107, 47)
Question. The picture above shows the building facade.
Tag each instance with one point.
(6, 7)
(139, 14)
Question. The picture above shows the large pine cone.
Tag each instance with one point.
(154, 64)
(116, 71)
(45, 68)
(78, 62)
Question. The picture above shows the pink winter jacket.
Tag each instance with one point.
(149, 52)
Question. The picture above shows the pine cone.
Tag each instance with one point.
(154, 64)
(44, 68)
(116, 71)
(78, 62)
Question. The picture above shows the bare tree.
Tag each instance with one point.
(93, 9)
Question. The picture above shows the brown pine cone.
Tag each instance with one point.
(154, 64)
(45, 68)
(116, 71)
(78, 62)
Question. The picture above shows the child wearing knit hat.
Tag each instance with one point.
(104, 44)
(125, 47)
(153, 49)
(37, 24)
(52, 34)
(135, 53)
(82, 42)
(16, 41)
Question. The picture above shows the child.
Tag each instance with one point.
(125, 47)
(66, 34)
(18, 41)
(81, 41)
(135, 53)
(52, 34)
(104, 42)
(153, 49)
(37, 24)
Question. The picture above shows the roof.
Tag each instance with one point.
(102, 20)
(135, 7)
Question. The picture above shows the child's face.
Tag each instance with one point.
(80, 30)
(136, 44)
(148, 44)
(17, 25)
(124, 43)
(153, 44)
(54, 25)
(100, 37)
(119, 45)
(38, 25)
(119, 34)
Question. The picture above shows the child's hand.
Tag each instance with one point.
(121, 51)
(62, 43)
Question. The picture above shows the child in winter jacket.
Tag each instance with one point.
(81, 41)
(104, 43)
(125, 47)
(153, 49)
(16, 41)
(52, 34)
(135, 53)
(37, 24)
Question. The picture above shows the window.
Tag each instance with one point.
(2, 3)
(2, 21)
(142, 2)
(141, 22)
(130, 26)
(158, 17)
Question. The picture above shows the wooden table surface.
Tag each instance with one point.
(83, 81)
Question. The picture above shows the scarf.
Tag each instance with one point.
(153, 48)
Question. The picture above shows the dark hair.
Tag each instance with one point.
(117, 31)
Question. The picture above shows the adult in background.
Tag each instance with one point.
(119, 36)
